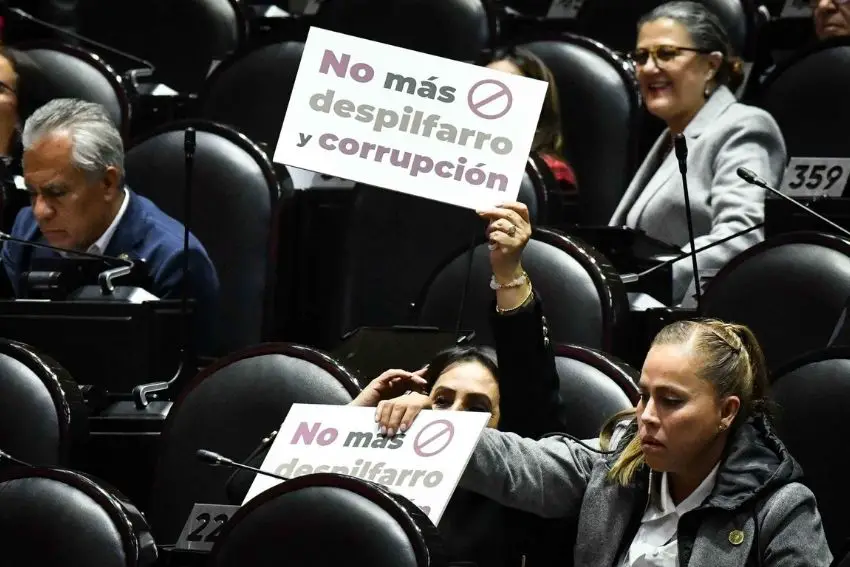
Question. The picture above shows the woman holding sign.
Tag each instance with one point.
(693, 476)
(687, 74)
(468, 379)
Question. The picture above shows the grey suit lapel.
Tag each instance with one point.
(639, 182)
(650, 177)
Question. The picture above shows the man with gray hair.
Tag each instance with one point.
(74, 173)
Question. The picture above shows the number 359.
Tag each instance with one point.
(816, 176)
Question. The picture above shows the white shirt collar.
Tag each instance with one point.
(99, 247)
(662, 505)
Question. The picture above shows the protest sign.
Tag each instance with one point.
(424, 464)
(408, 121)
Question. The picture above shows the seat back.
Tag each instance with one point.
(234, 214)
(43, 419)
(250, 91)
(595, 386)
(790, 290)
(158, 31)
(620, 33)
(811, 395)
(311, 518)
(396, 241)
(228, 408)
(804, 96)
(455, 29)
(61, 517)
(600, 120)
(65, 71)
(585, 298)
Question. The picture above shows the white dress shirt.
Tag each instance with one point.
(656, 541)
(99, 246)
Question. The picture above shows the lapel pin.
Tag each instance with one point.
(736, 537)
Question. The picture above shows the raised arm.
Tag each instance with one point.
(529, 386)
(546, 477)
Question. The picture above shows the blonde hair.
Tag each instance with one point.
(731, 360)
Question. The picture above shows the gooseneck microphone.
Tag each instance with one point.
(67, 33)
(4, 456)
(105, 279)
(681, 147)
(215, 459)
(753, 179)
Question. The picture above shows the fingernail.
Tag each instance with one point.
(390, 432)
(403, 428)
(383, 430)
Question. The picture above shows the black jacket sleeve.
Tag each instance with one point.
(529, 386)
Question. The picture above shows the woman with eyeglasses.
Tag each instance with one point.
(687, 73)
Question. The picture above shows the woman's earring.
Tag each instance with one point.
(721, 428)
(707, 91)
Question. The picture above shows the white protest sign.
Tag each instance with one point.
(410, 122)
(424, 464)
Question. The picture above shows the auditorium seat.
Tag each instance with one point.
(51, 70)
(52, 517)
(250, 91)
(811, 395)
(594, 386)
(614, 22)
(455, 29)
(790, 290)
(584, 297)
(235, 202)
(395, 242)
(807, 95)
(43, 418)
(182, 38)
(600, 120)
(229, 408)
(319, 519)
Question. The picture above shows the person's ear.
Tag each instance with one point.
(729, 409)
(715, 60)
(110, 183)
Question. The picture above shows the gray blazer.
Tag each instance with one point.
(758, 492)
(722, 137)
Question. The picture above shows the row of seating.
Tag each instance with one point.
(241, 397)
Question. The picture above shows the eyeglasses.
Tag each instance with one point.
(660, 53)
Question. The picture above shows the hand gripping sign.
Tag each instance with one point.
(424, 464)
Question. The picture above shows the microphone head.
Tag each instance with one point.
(681, 146)
(748, 175)
(210, 457)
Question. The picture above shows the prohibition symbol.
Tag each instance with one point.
(490, 99)
(433, 438)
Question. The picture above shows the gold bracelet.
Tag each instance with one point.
(523, 303)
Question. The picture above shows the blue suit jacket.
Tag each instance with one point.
(144, 233)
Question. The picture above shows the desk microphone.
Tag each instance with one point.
(105, 279)
(4, 456)
(681, 148)
(214, 459)
(633, 278)
(67, 33)
(750, 177)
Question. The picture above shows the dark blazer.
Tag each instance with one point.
(144, 233)
(475, 528)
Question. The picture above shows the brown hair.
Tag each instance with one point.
(731, 360)
(707, 33)
(548, 139)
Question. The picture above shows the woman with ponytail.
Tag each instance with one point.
(693, 476)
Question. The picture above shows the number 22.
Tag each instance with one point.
(203, 521)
